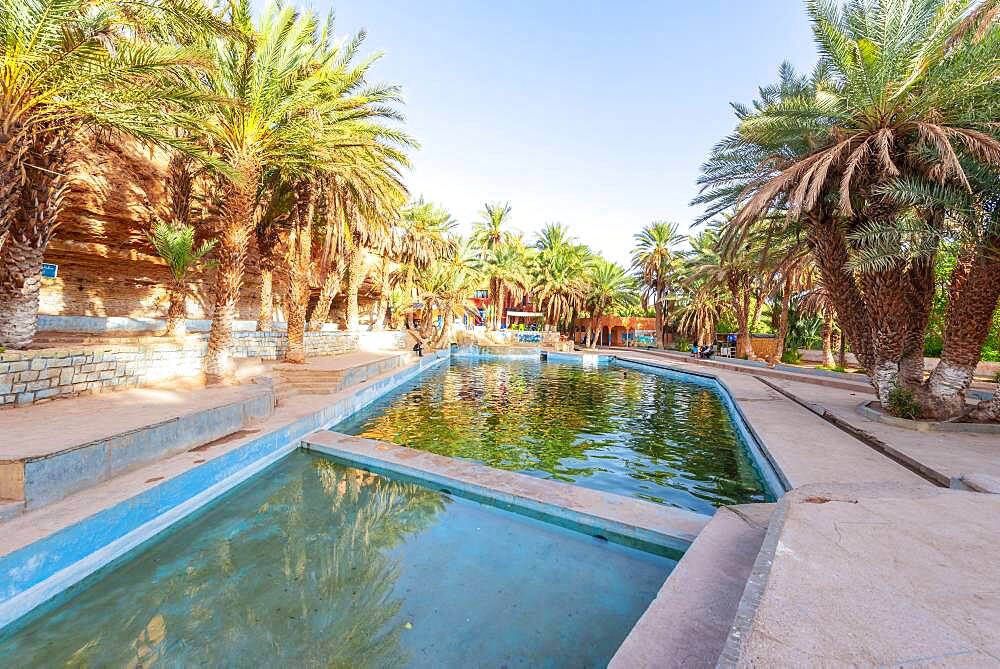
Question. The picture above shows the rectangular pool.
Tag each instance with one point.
(315, 563)
(623, 430)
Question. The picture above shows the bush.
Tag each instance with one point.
(683, 345)
(933, 344)
(790, 356)
(901, 403)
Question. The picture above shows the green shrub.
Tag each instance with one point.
(990, 354)
(683, 345)
(901, 403)
(790, 356)
(933, 343)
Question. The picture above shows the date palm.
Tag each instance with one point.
(175, 243)
(69, 67)
(277, 77)
(609, 289)
(654, 259)
(488, 234)
(896, 95)
(560, 266)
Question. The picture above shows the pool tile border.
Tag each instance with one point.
(33, 574)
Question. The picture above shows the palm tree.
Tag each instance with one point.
(176, 245)
(895, 97)
(560, 266)
(697, 309)
(609, 288)
(72, 67)
(445, 286)
(280, 93)
(654, 259)
(506, 269)
(487, 235)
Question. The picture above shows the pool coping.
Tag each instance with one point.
(632, 521)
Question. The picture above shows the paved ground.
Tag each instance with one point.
(51, 427)
(876, 576)
(40, 429)
(950, 454)
(805, 447)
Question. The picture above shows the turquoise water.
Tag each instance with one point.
(316, 564)
(609, 428)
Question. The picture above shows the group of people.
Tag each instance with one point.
(702, 351)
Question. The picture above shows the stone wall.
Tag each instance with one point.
(31, 376)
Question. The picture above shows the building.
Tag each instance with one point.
(618, 330)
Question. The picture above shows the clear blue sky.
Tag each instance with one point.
(594, 114)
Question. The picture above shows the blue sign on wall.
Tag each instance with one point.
(49, 270)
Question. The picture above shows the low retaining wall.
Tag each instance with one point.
(27, 377)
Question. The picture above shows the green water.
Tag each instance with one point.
(312, 564)
(608, 428)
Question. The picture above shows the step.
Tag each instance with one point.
(41, 476)
(688, 623)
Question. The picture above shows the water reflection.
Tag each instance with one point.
(306, 580)
(620, 430)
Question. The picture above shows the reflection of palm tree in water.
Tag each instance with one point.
(300, 574)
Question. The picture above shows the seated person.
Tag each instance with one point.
(706, 352)
(418, 348)
(694, 350)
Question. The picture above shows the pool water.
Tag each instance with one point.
(315, 564)
(605, 427)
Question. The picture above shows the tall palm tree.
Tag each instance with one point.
(506, 269)
(609, 288)
(895, 96)
(279, 92)
(654, 259)
(488, 234)
(69, 67)
(560, 267)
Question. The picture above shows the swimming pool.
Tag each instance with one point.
(315, 563)
(624, 430)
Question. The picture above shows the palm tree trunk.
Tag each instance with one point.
(177, 311)
(828, 360)
(298, 261)
(328, 291)
(356, 272)
(265, 313)
(786, 301)
(236, 223)
(378, 322)
(973, 298)
(36, 217)
(12, 150)
(659, 321)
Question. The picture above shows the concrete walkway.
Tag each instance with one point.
(874, 576)
(806, 448)
(947, 456)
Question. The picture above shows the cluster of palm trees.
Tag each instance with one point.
(562, 277)
(852, 182)
(276, 141)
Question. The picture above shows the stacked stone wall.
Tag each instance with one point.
(27, 377)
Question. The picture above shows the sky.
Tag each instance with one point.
(593, 114)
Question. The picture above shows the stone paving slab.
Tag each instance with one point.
(874, 576)
(948, 456)
(806, 448)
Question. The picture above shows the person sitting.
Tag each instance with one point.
(418, 348)
(694, 351)
(707, 352)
